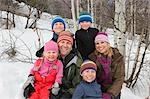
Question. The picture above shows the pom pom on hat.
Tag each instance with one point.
(85, 16)
(101, 36)
(87, 64)
(58, 19)
(65, 35)
(51, 46)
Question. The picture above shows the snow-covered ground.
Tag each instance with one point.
(14, 70)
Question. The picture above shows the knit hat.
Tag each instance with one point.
(65, 35)
(51, 46)
(58, 19)
(102, 36)
(87, 64)
(85, 16)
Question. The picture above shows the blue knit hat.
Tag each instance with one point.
(85, 16)
(58, 19)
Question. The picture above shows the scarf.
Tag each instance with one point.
(105, 61)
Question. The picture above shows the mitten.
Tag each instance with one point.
(28, 86)
(106, 96)
(28, 90)
(55, 88)
(30, 80)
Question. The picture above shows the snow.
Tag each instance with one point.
(14, 70)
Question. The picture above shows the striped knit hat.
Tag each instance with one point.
(85, 16)
(58, 19)
(87, 64)
(65, 35)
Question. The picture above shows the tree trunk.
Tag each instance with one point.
(28, 17)
(77, 3)
(13, 20)
(92, 11)
(133, 19)
(73, 15)
(78, 10)
(120, 25)
(88, 5)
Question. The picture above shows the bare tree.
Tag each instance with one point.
(73, 14)
(120, 25)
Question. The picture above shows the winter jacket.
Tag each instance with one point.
(85, 41)
(71, 73)
(86, 90)
(117, 69)
(47, 67)
(46, 74)
(39, 53)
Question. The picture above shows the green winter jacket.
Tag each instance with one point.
(117, 69)
(71, 72)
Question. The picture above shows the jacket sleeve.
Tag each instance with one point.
(60, 73)
(39, 53)
(118, 76)
(79, 92)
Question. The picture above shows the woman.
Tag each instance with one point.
(58, 25)
(111, 67)
(72, 61)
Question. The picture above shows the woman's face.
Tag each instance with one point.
(102, 46)
(89, 75)
(65, 47)
(58, 27)
(51, 55)
(85, 25)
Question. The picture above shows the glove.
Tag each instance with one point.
(29, 86)
(106, 96)
(55, 88)
(28, 90)
(30, 80)
(56, 85)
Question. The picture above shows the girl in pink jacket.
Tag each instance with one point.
(47, 73)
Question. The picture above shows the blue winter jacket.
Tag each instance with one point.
(86, 90)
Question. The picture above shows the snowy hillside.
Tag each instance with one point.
(14, 70)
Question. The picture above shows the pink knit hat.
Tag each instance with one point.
(51, 46)
(65, 35)
(101, 36)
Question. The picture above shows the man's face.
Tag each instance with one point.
(65, 47)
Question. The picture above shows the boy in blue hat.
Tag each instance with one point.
(86, 35)
(58, 25)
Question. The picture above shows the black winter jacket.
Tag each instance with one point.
(85, 41)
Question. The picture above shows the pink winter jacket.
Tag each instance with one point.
(43, 66)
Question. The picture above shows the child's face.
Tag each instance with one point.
(102, 46)
(85, 25)
(89, 75)
(58, 27)
(65, 47)
(51, 55)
